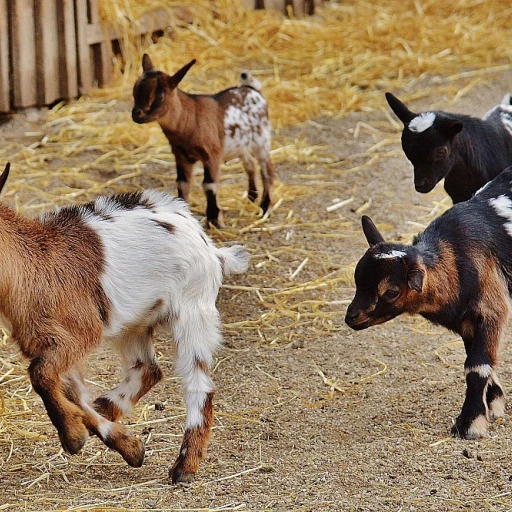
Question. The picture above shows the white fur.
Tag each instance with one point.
(247, 128)
(503, 207)
(483, 370)
(422, 122)
(478, 428)
(389, 255)
(160, 267)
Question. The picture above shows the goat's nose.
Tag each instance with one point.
(351, 314)
(243, 76)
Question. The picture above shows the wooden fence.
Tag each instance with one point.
(58, 49)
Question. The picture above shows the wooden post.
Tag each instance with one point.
(67, 49)
(5, 94)
(47, 52)
(101, 52)
(84, 53)
(23, 52)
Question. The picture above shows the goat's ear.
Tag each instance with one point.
(175, 79)
(415, 278)
(147, 65)
(370, 231)
(5, 175)
(451, 127)
(401, 111)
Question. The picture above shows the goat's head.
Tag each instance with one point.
(154, 91)
(389, 279)
(427, 141)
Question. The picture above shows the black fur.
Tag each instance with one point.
(472, 245)
(467, 151)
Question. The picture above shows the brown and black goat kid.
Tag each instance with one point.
(466, 151)
(458, 274)
(208, 128)
(115, 270)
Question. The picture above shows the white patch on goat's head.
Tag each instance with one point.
(503, 207)
(389, 255)
(422, 122)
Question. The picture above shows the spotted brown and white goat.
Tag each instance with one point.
(208, 128)
(115, 269)
(466, 151)
(458, 274)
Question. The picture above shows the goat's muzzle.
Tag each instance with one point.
(138, 115)
(353, 320)
(424, 185)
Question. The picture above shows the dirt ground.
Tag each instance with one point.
(374, 436)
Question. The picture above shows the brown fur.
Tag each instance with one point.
(194, 127)
(193, 447)
(441, 284)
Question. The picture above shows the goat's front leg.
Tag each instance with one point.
(211, 184)
(66, 416)
(483, 388)
(184, 167)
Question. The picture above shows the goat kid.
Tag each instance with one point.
(458, 274)
(115, 269)
(211, 129)
(467, 151)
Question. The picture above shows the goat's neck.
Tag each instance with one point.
(180, 116)
(441, 284)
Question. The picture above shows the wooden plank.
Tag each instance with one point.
(101, 52)
(23, 53)
(275, 4)
(67, 44)
(158, 19)
(47, 52)
(299, 8)
(5, 102)
(85, 75)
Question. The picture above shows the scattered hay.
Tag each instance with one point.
(339, 61)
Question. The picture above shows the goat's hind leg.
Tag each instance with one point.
(267, 176)
(142, 372)
(112, 434)
(197, 335)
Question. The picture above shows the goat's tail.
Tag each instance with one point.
(235, 259)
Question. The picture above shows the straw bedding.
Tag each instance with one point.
(321, 75)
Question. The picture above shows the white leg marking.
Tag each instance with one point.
(478, 428)
(483, 370)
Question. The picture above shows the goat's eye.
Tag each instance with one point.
(391, 294)
(440, 153)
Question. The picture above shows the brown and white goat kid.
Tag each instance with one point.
(115, 269)
(458, 274)
(210, 128)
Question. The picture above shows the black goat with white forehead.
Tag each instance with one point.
(467, 151)
(458, 274)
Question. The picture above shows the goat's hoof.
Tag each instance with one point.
(252, 195)
(73, 444)
(133, 451)
(216, 223)
(265, 204)
(470, 429)
(179, 476)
